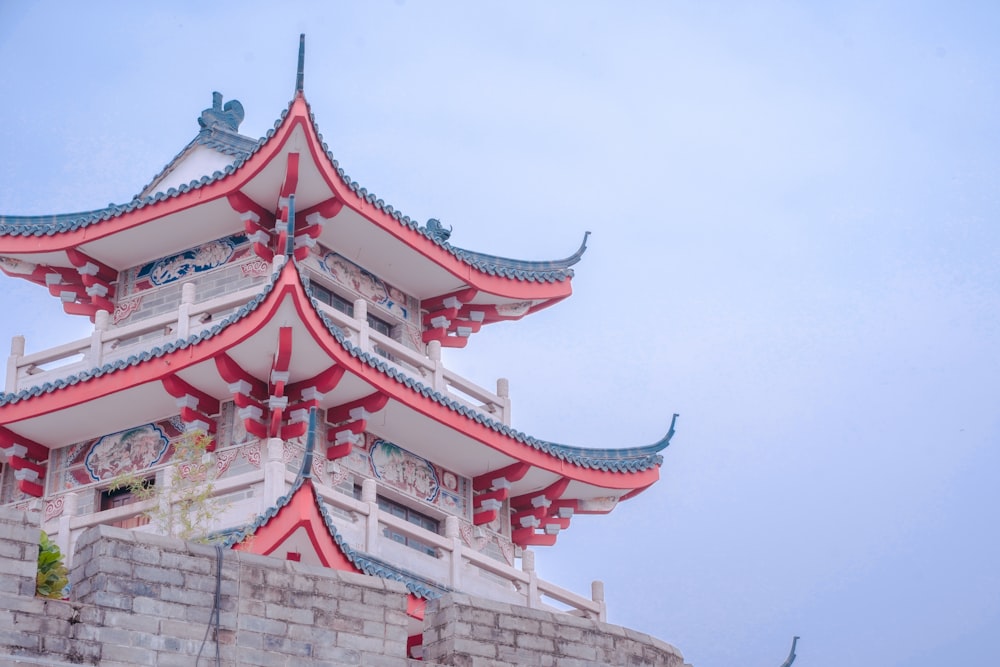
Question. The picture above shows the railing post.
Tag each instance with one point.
(528, 566)
(16, 352)
(71, 502)
(503, 392)
(455, 570)
(369, 494)
(434, 354)
(184, 310)
(101, 318)
(361, 317)
(274, 473)
(597, 595)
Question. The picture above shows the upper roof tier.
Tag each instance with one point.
(223, 183)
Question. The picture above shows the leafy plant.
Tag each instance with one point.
(183, 506)
(51, 580)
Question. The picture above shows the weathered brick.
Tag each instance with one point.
(127, 654)
(362, 611)
(159, 575)
(291, 614)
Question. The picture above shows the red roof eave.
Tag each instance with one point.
(298, 115)
(288, 285)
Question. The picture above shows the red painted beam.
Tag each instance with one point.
(34, 450)
(437, 302)
(241, 203)
(527, 537)
(191, 416)
(80, 260)
(283, 356)
(30, 488)
(232, 372)
(551, 492)
(178, 388)
(328, 208)
(19, 463)
(512, 473)
(291, 175)
(371, 403)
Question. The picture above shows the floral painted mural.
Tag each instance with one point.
(404, 471)
(410, 474)
(371, 287)
(104, 458)
(184, 264)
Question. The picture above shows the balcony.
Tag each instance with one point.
(109, 343)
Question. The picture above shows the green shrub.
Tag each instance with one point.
(51, 579)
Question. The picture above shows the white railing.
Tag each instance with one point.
(109, 343)
(523, 583)
(454, 565)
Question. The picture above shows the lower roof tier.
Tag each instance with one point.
(280, 355)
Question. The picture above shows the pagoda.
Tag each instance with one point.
(253, 293)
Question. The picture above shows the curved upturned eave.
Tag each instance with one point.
(503, 277)
(605, 468)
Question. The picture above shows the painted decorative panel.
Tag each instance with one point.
(410, 474)
(371, 287)
(185, 264)
(132, 450)
(202, 258)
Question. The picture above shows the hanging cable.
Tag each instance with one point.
(213, 620)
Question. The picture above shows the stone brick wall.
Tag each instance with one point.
(469, 632)
(141, 599)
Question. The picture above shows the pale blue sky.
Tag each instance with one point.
(795, 246)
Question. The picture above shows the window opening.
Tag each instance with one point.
(334, 300)
(122, 497)
(407, 514)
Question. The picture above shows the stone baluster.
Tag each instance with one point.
(451, 531)
(503, 392)
(361, 317)
(16, 352)
(369, 494)
(188, 290)
(434, 354)
(528, 566)
(274, 473)
(101, 321)
(597, 595)
(64, 540)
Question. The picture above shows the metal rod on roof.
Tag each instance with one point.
(301, 75)
(290, 241)
(310, 444)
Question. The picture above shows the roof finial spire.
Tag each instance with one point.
(300, 76)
